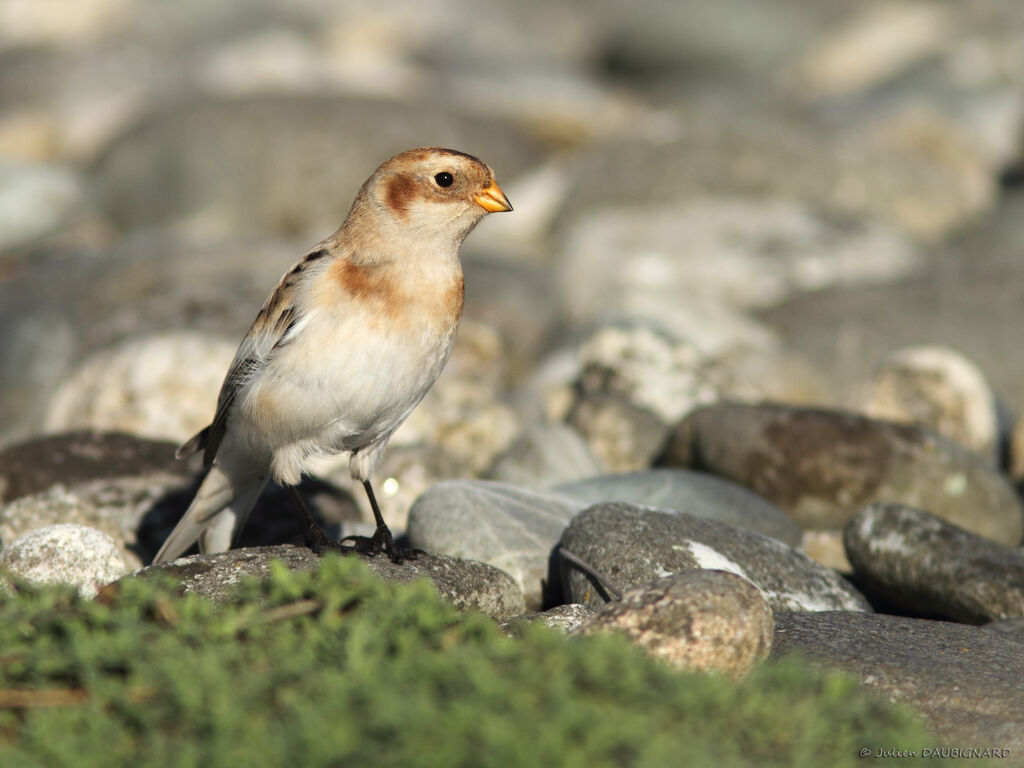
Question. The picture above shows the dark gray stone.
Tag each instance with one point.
(820, 466)
(696, 493)
(926, 566)
(511, 528)
(468, 585)
(633, 546)
(40, 463)
(705, 620)
(967, 682)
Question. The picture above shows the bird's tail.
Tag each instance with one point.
(219, 510)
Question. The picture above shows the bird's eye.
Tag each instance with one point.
(444, 179)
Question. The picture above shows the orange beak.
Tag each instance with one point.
(493, 200)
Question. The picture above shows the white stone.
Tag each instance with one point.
(162, 387)
(65, 554)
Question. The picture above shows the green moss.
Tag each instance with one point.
(341, 668)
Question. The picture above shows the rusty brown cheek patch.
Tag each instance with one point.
(400, 193)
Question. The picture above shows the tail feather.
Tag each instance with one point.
(195, 443)
(216, 514)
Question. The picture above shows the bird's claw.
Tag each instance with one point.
(381, 541)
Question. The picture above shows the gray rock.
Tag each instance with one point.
(820, 466)
(966, 682)
(633, 546)
(564, 619)
(652, 41)
(704, 620)
(470, 586)
(37, 350)
(545, 454)
(925, 566)
(909, 53)
(1012, 629)
(65, 554)
(696, 493)
(215, 576)
(511, 528)
(767, 373)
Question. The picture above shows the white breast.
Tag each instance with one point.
(348, 378)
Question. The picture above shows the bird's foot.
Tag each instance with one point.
(320, 542)
(381, 541)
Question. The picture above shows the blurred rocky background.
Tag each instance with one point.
(732, 200)
(717, 205)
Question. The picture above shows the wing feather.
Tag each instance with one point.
(272, 328)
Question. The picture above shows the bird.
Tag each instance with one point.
(343, 349)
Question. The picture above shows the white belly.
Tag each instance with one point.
(347, 386)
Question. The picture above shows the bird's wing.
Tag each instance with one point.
(272, 329)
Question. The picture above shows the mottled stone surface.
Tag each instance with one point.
(632, 546)
(820, 466)
(704, 620)
(65, 554)
(159, 387)
(926, 566)
(466, 584)
(940, 388)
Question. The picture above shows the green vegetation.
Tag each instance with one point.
(339, 668)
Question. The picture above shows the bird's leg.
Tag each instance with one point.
(316, 537)
(381, 541)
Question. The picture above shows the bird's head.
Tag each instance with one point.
(433, 194)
